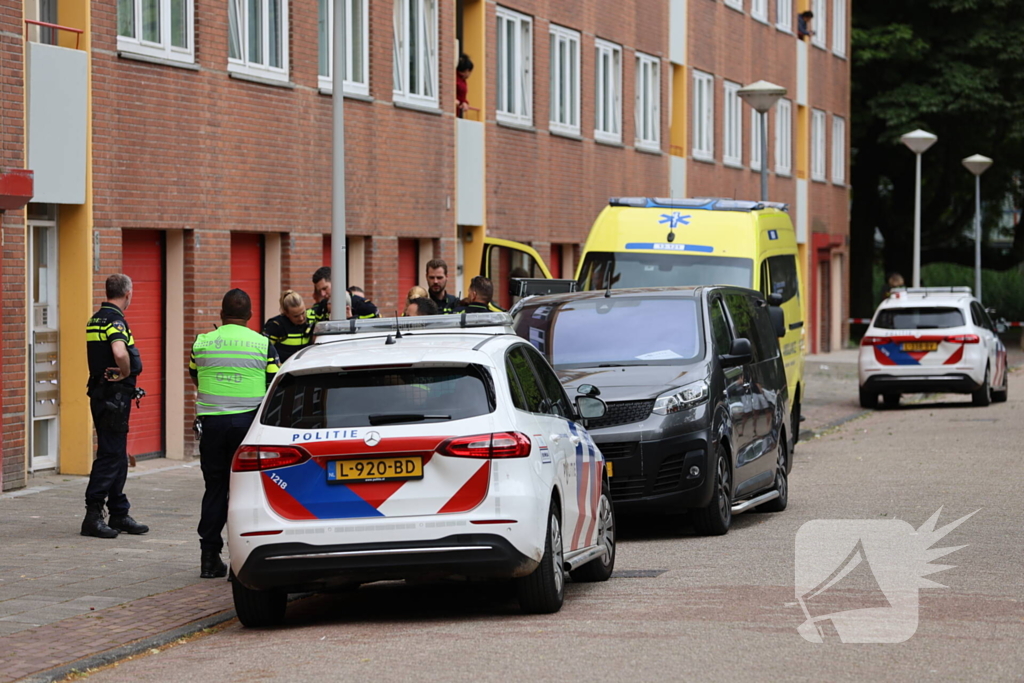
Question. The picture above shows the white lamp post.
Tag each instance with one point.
(339, 257)
(977, 164)
(762, 96)
(918, 141)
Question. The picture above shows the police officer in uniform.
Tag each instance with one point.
(291, 331)
(437, 284)
(481, 290)
(114, 364)
(232, 367)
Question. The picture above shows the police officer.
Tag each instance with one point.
(232, 367)
(322, 293)
(437, 283)
(479, 300)
(114, 364)
(290, 331)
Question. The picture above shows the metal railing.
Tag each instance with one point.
(57, 27)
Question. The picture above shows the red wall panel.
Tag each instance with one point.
(247, 272)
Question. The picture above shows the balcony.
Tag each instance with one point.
(470, 186)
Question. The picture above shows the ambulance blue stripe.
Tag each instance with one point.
(307, 483)
(665, 246)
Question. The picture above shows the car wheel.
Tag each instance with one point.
(714, 520)
(781, 482)
(868, 399)
(891, 400)
(983, 396)
(601, 568)
(543, 591)
(256, 608)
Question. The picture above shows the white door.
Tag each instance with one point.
(44, 366)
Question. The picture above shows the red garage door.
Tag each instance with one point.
(247, 272)
(326, 256)
(143, 261)
(408, 267)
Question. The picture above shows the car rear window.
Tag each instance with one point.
(930, 318)
(380, 396)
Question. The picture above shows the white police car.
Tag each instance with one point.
(931, 339)
(423, 447)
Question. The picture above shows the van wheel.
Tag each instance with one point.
(983, 396)
(255, 608)
(868, 399)
(781, 481)
(715, 519)
(601, 568)
(543, 591)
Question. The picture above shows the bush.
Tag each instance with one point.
(1001, 290)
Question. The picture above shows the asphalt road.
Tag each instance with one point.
(685, 607)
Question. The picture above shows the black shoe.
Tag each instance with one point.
(93, 524)
(210, 566)
(126, 524)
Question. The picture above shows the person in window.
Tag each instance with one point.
(462, 73)
(803, 25)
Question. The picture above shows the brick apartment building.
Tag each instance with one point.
(187, 143)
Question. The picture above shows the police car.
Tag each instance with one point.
(418, 448)
(935, 340)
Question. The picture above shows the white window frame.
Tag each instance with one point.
(608, 92)
(759, 10)
(732, 125)
(326, 80)
(162, 49)
(424, 92)
(242, 65)
(818, 145)
(784, 15)
(839, 28)
(648, 101)
(784, 137)
(518, 109)
(755, 140)
(565, 80)
(735, 4)
(819, 24)
(838, 150)
(703, 116)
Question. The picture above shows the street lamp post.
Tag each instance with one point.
(977, 164)
(339, 258)
(762, 96)
(918, 141)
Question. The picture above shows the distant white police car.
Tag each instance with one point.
(423, 447)
(931, 339)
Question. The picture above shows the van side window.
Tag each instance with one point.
(782, 273)
(719, 327)
(519, 366)
(741, 311)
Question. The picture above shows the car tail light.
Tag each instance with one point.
(261, 458)
(964, 339)
(499, 445)
(874, 341)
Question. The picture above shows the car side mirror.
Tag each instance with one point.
(774, 299)
(588, 390)
(590, 408)
(778, 318)
(740, 353)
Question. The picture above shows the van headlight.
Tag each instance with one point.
(689, 396)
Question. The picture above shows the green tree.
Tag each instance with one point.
(956, 69)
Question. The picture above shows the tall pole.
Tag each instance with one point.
(917, 222)
(339, 257)
(977, 237)
(764, 156)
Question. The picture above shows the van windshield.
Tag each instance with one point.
(621, 270)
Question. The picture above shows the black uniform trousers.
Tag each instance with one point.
(222, 435)
(110, 468)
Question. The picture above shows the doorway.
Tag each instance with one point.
(43, 434)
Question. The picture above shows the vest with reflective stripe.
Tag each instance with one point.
(231, 363)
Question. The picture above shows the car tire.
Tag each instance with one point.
(794, 419)
(601, 569)
(256, 608)
(983, 396)
(891, 400)
(868, 399)
(543, 591)
(781, 481)
(715, 519)
(1001, 395)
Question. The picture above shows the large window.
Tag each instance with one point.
(759, 10)
(357, 53)
(732, 152)
(838, 150)
(415, 52)
(784, 137)
(258, 38)
(565, 80)
(784, 15)
(817, 145)
(648, 98)
(515, 67)
(755, 140)
(839, 27)
(703, 116)
(735, 4)
(157, 28)
(818, 23)
(608, 91)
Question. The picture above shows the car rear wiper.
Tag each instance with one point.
(396, 418)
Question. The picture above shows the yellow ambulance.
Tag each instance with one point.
(644, 242)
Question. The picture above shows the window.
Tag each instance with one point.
(838, 150)
(565, 80)
(521, 371)
(258, 38)
(818, 24)
(839, 27)
(784, 15)
(931, 318)
(782, 275)
(742, 313)
(755, 140)
(703, 116)
(648, 99)
(157, 28)
(602, 269)
(817, 145)
(732, 153)
(515, 67)
(608, 92)
(557, 400)
(415, 47)
(759, 10)
(357, 41)
(784, 137)
(735, 4)
(719, 327)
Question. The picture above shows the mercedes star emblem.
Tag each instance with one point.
(372, 439)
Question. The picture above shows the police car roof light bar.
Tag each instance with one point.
(699, 203)
(424, 323)
(933, 290)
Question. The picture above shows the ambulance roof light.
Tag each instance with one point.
(700, 203)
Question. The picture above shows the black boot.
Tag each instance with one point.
(126, 524)
(210, 565)
(93, 524)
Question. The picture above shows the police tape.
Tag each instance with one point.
(867, 321)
